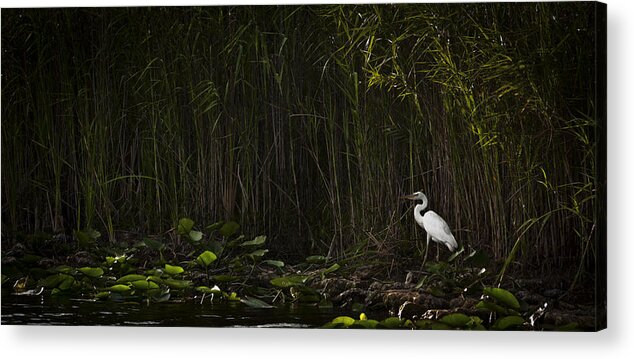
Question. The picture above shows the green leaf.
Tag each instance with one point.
(130, 278)
(86, 237)
(391, 323)
(424, 323)
(213, 227)
(255, 242)
(185, 225)
(366, 324)
(330, 269)
(173, 270)
(233, 297)
(178, 284)
(289, 281)
(258, 253)
(53, 281)
(316, 260)
(491, 307)
(255, 303)
(508, 322)
(346, 321)
(503, 297)
(91, 272)
(206, 258)
(119, 288)
(207, 290)
(278, 264)
(153, 244)
(229, 229)
(456, 320)
(144, 285)
(195, 236)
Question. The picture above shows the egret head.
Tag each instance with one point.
(416, 196)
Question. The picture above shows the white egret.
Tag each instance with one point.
(436, 227)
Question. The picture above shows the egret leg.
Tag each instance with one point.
(437, 252)
(425, 257)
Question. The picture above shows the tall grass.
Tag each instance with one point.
(307, 123)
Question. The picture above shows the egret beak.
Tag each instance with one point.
(409, 196)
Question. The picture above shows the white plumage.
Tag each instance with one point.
(435, 226)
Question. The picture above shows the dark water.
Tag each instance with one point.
(47, 310)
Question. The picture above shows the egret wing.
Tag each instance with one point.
(436, 227)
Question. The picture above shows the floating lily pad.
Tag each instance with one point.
(144, 285)
(505, 323)
(456, 320)
(255, 303)
(178, 284)
(195, 236)
(91, 272)
(344, 320)
(119, 288)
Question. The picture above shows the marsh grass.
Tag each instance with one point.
(307, 122)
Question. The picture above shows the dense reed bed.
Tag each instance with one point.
(307, 123)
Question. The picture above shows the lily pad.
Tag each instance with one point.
(144, 285)
(274, 263)
(344, 320)
(289, 281)
(255, 303)
(173, 270)
(503, 297)
(195, 236)
(206, 258)
(119, 288)
(130, 278)
(223, 278)
(185, 225)
(456, 320)
(91, 272)
(505, 323)
(178, 284)
(229, 229)
(254, 242)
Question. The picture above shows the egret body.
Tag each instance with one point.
(436, 227)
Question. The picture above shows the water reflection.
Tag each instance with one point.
(47, 310)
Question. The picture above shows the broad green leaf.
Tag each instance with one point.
(424, 323)
(456, 320)
(503, 297)
(278, 264)
(185, 225)
(156, 279)
(54, 280)
(258, 253)
(144, 285)
(229, 229)
(153, 244)
(206, 258)
(195, 236)
(346, 321)
(255, 242)
(173, 270)
(289, 281)
(130, 278)
(102, 295)
(178, 284)
(63, 269)
(316, 260)
(91, 272)
(391, 323)
(255, 303)
(367, 324)
(508, 322)
(233, 297)
(213, 227)
(491, 307)
(119, 288)
(207, 290)
(330, 269)
(66, 284)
